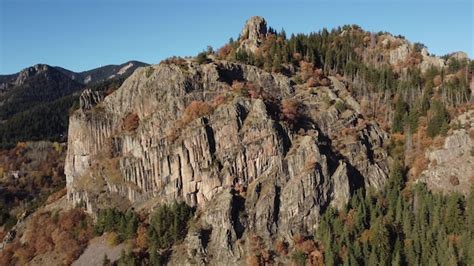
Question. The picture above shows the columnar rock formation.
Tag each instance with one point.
(238, 159)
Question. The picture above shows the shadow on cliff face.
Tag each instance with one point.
(276, 205)
(229, 75)
(237, 214)
(205, 237)
(356, 179)
(210, 136)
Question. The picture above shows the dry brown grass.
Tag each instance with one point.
(256, 243)
(365, 236)
(196, 109)
(307, 246)
(241, 189)
(419, 164)
(57, 195)
(219, 100)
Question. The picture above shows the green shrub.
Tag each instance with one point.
(438, 124)
(169, 224)
(399, 226)
(113, 220)
(202, 58)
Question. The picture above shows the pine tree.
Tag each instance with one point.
(276, 64)
(381, 241)
(438, 124)
(329, 259)
(453, 217)
(398, 119)
(373, 260)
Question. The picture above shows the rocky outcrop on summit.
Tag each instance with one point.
(459, 56)
(400, 53)
(254, 31)
(429, 61)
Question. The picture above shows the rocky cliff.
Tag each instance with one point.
(253, 33)
(451, 167)
(246, 167)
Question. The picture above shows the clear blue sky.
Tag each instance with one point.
(84, 34)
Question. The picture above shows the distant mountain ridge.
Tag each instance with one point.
(103, 73)
(42, 95)
(85, 77)
(33, 86)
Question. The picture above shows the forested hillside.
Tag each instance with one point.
(412, 94)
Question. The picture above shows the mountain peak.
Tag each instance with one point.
(31, 71)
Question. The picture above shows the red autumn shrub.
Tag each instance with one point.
(196, 109)
(224, 51)
(290, 110)
(306, 70)
(281, 247)
(312, 82)
(131, 122)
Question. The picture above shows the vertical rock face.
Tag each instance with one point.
(341, 186)
(399, 54)
(241, 166)
(254, 31)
